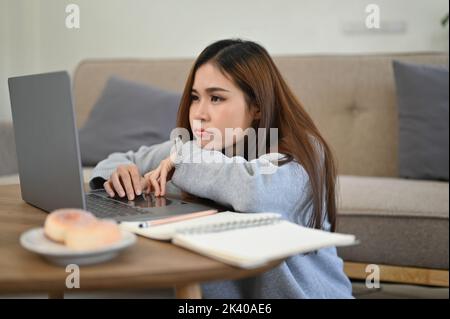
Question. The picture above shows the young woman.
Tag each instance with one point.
(235, 84)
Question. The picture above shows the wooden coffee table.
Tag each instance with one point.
(147, 264)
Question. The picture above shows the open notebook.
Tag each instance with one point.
(243, 240)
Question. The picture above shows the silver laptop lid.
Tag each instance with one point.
(46, 141)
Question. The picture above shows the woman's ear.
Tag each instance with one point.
(256, 112)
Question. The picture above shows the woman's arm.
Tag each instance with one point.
(146, 158)
(248, 186)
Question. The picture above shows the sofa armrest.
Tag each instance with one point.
(8, 159)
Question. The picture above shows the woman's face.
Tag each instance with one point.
(217, 104)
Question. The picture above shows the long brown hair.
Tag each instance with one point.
(252, 69)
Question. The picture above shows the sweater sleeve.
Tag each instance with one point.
(146, 158)
(248, 186)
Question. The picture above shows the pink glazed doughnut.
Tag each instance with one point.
(60, 221)
(93, 236)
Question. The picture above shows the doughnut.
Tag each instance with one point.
(80, 230)
(93, 235)
(59, 221)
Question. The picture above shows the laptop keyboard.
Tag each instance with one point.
(108, 208)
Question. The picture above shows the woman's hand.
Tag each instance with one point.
(157, 178)
(125, 179)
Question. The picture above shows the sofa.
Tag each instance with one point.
(402, 224)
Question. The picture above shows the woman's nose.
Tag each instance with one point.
(201, 111)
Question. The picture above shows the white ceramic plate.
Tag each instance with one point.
(34, 240)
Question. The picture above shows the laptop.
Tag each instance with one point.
(49, 160)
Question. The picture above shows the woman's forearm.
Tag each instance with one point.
(248, 186)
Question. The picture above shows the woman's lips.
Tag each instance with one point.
(202, 133)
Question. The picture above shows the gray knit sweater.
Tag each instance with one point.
(249, 186)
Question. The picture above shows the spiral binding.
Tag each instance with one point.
(230, 225)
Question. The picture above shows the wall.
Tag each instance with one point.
(33, 36)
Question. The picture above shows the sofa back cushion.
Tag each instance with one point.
(422, 95)
(127, 115)
(351, 98)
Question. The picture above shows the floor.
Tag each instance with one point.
(398, 291)
(150, 294)
(386, 291)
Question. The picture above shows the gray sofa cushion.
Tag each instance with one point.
(422, 95)
(8, 158)
(127, 116)
(399, 222)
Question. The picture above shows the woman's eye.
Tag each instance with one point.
(216, 98)
(194, 97)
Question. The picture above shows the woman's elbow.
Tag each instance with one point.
(249, 202)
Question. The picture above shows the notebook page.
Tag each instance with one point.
(167, 231)
(252, 247)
